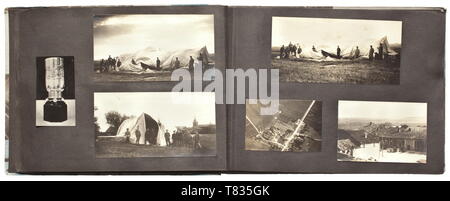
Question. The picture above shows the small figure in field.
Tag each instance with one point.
(380, 51)
(282, 52)
(177, 63)
(290, 46)
(357, 52)
(200, 57)
(119, 63)
(294, 50)
(138, 135)
(102, 66)
(287, 51)
(110, 63)
(175, 138)
(191, 63)
(338, 52)
(371, 51)
(196, 140)
(127, 136)
(167, 137)
(158, 63)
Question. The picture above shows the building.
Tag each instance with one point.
(404, 141)
(200, 128)
(195, 123)
(400, 138)
(390, 137)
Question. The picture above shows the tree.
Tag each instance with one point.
(97, 127)
(114, 119)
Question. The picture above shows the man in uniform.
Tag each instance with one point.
(167, 137)
(294, 50)
(357, 52)
(102, 65)
(175, 139)
(138, 135)
(191, 63)
(338, 52)
(127, 136)
(371, 51)
(380, 51)
(177, 63)
(119, 63)
(200, 57)
(158, 63)
(282, 52)
(196, 140)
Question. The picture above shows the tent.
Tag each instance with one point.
(142, 122)
(347, 50)
(148, 57)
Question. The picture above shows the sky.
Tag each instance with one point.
(382, 110)
(164, 106)
(328, 31)
(119, 34)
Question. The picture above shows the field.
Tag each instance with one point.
(111, 149)
(291, 111)
(131, 77)
(342, 71)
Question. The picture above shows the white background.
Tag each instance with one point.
(282, 177)
(70, 114)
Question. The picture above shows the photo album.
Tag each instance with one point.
(225, 89)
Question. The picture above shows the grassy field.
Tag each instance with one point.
(111, 149)
(343, 71)
(131, 77)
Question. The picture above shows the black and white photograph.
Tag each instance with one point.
(55, 91)
(148, 47)
(296, 127)
(346, 51)
(154, 124)
(391, 132)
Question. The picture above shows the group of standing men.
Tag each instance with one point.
(176, 63)
(184, 139)
(290, 50)
(149, 136)
(176, 139)
(380, 55)
(109, 64)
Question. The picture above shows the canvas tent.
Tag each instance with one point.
(141, 123)
(148, 57)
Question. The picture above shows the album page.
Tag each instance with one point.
(353, 90)
(116, 89)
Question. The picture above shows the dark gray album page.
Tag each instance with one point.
(403, 71)
(103, 145)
